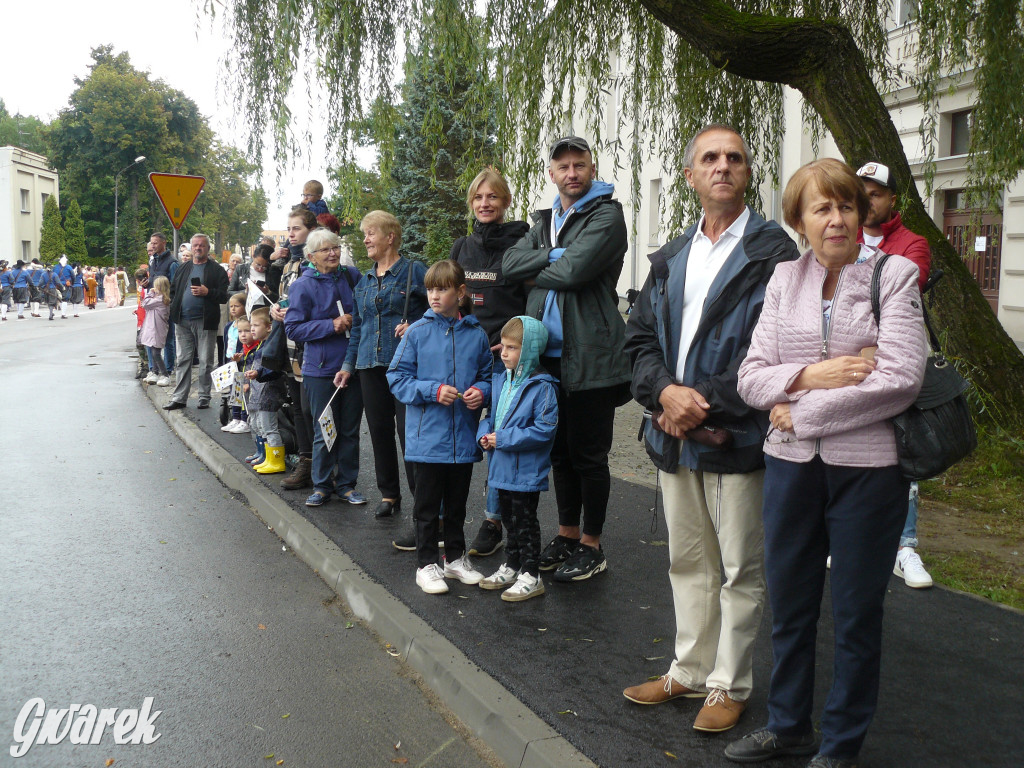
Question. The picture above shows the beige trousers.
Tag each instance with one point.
(714, 527)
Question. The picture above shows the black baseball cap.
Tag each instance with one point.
(568, 142)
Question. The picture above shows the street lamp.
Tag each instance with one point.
(117, 178)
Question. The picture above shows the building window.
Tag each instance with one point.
(960, 133)
(26, 250)
(906, 11)
(24, 201)
(44, 196)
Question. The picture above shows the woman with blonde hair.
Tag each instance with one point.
(388, 298)
(157, 303)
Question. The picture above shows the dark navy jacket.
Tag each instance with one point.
(731, 311)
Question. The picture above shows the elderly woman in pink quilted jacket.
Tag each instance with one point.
(831, 378)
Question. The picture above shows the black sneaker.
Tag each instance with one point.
(406, 542)
(556, 552)
(583, 563)
(764, 745)
(824, 761)
(487, 541)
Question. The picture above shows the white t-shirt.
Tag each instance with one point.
(872, 240)
(702, 267)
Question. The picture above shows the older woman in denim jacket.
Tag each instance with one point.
(388, 299)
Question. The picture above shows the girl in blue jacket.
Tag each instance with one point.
(442, 372)
(520, 430)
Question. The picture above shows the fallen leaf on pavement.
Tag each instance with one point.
(285, 717)
(398, 745)
(261, 626)
(400, 760)
(269, 757)
(671, 755)
(110, 761)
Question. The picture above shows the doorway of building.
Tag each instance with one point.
(978, 247)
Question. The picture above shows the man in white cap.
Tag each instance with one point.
(883, 228)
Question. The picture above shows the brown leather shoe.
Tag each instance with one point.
(659, 691)
(719, 713)
(300, 477)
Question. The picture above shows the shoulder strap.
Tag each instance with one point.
(875, 282)
(408, 290)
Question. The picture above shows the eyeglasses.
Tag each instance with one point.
(335, 249)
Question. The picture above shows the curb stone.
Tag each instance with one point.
(516, 735)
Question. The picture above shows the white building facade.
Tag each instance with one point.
(26, 181)
(995, 255)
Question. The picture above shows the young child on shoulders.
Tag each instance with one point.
(520, 430)
(156, 303)
(238, 423)
(442, 372)
(266, 394)
(312, 197)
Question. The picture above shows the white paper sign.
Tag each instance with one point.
(326, 422)
(980, 243)
(237, 392)
(224, 376)
(254, 297)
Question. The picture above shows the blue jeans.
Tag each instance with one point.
(492, 513)
(169, 349)
(857, 513)
(343, 459)
(909, 536)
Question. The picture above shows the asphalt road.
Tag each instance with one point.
(128, 571)
(952, 670)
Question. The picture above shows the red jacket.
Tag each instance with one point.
(899, 240)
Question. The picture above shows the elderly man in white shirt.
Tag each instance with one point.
(687, 334)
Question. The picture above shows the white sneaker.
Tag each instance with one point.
(430, 579)
(911, 569)
(500, 579)
(150, 378)
(230, 426)
(526, 586)
(163, 381)
(463, 570)
(241, 428)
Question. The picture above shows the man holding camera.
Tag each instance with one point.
(197, 291)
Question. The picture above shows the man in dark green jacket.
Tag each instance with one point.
(570, 261)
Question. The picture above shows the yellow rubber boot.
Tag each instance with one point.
(274, 462)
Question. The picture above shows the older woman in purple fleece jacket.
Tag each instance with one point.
(832, 378)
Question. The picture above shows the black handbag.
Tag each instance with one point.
(275, 349)
(937, 431)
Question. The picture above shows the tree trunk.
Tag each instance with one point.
(821, 60)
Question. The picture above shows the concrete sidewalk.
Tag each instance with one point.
(542, 679)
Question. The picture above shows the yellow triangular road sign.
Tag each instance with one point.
(177, 194)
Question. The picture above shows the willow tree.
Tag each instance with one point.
(685, 62)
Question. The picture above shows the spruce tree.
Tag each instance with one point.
(51, 236)
(74, 232)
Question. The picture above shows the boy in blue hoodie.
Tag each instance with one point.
(442, 372)
(520, 429)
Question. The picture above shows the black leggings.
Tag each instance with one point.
(519, 515)
(579, 456)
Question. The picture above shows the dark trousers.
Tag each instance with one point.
(384, 416)
(856, 514)
(438, 484)
(519, 515)
(303, 420)
(170, 350)
(579, 456)
(342, 461)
